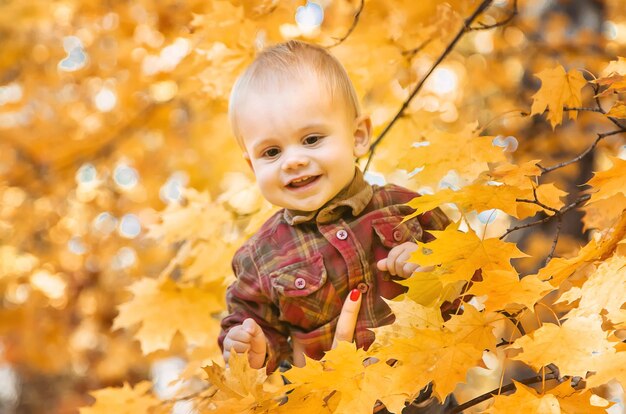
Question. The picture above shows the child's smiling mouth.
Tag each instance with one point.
(303, 182)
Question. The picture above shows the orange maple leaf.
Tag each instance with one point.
(461, 254)
(504, 288)
(610, 182)
(583, 338)
(163, 308)
(123, 400)
(558, 89)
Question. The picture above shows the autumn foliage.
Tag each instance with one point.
(124, 196)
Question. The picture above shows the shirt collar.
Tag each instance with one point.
(355, 196)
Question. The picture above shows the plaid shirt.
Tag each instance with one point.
(295, 272)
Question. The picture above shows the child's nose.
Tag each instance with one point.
(294, 161)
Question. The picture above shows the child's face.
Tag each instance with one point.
(301, 145)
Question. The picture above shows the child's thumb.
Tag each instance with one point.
(250, 326)
(257, 344)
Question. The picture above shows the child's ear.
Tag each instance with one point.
(247, 158)
(362, 135)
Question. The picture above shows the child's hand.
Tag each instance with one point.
(247, 337)
(396, 261)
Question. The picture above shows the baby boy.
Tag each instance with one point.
(297, 119)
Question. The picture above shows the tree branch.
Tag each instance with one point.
(559, 223)
(537, 202)
(548, 218)
(512, 13)
(480, 9)
(545, 170)
(351, 29)
(497, 391)
(415, 50)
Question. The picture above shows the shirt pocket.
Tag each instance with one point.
(306, 298)
(392, 232)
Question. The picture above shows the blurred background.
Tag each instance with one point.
(117, 165)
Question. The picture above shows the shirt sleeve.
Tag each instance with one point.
(247, 298)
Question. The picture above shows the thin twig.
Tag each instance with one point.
(481, 8)
(506, 388)
(415, 50)
(212, 388)
(589, 109)
(537, 202)
(559, 222)
(357, 14)
(596, 96)
(562, 211)
(545, 170)
(504, 22)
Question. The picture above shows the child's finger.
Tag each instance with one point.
(257, 337)
(230, 345)
(238, 333)
(408, 269)
(347, 319)
(382, 265)
(392, 258)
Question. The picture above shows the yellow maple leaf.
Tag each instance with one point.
(524, 400)
(303, 400)
(475, 196)
(610, 182)
(603, 213)
(515, 175)
(605, 289)
(558, 89)
(409, 315)
(198, 218)
(504, 288)
(426, 288)
(463, 253)
(613, 75)
(572, 401)
(473, 327)
(558, 269)
(463, 151)
(618, 110)
(163, 308)
(617, 66)
(123, 400)
(610, 366)
(582, 336)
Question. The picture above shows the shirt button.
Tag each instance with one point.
(397, 235)
(300, 283)
(342, 234)
(362, 287)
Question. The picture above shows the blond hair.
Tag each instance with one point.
(288, 61)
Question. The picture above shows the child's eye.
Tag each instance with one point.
(271, 153)
(310, 140)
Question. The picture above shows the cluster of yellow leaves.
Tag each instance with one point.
(221, 37)
(241, 389)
